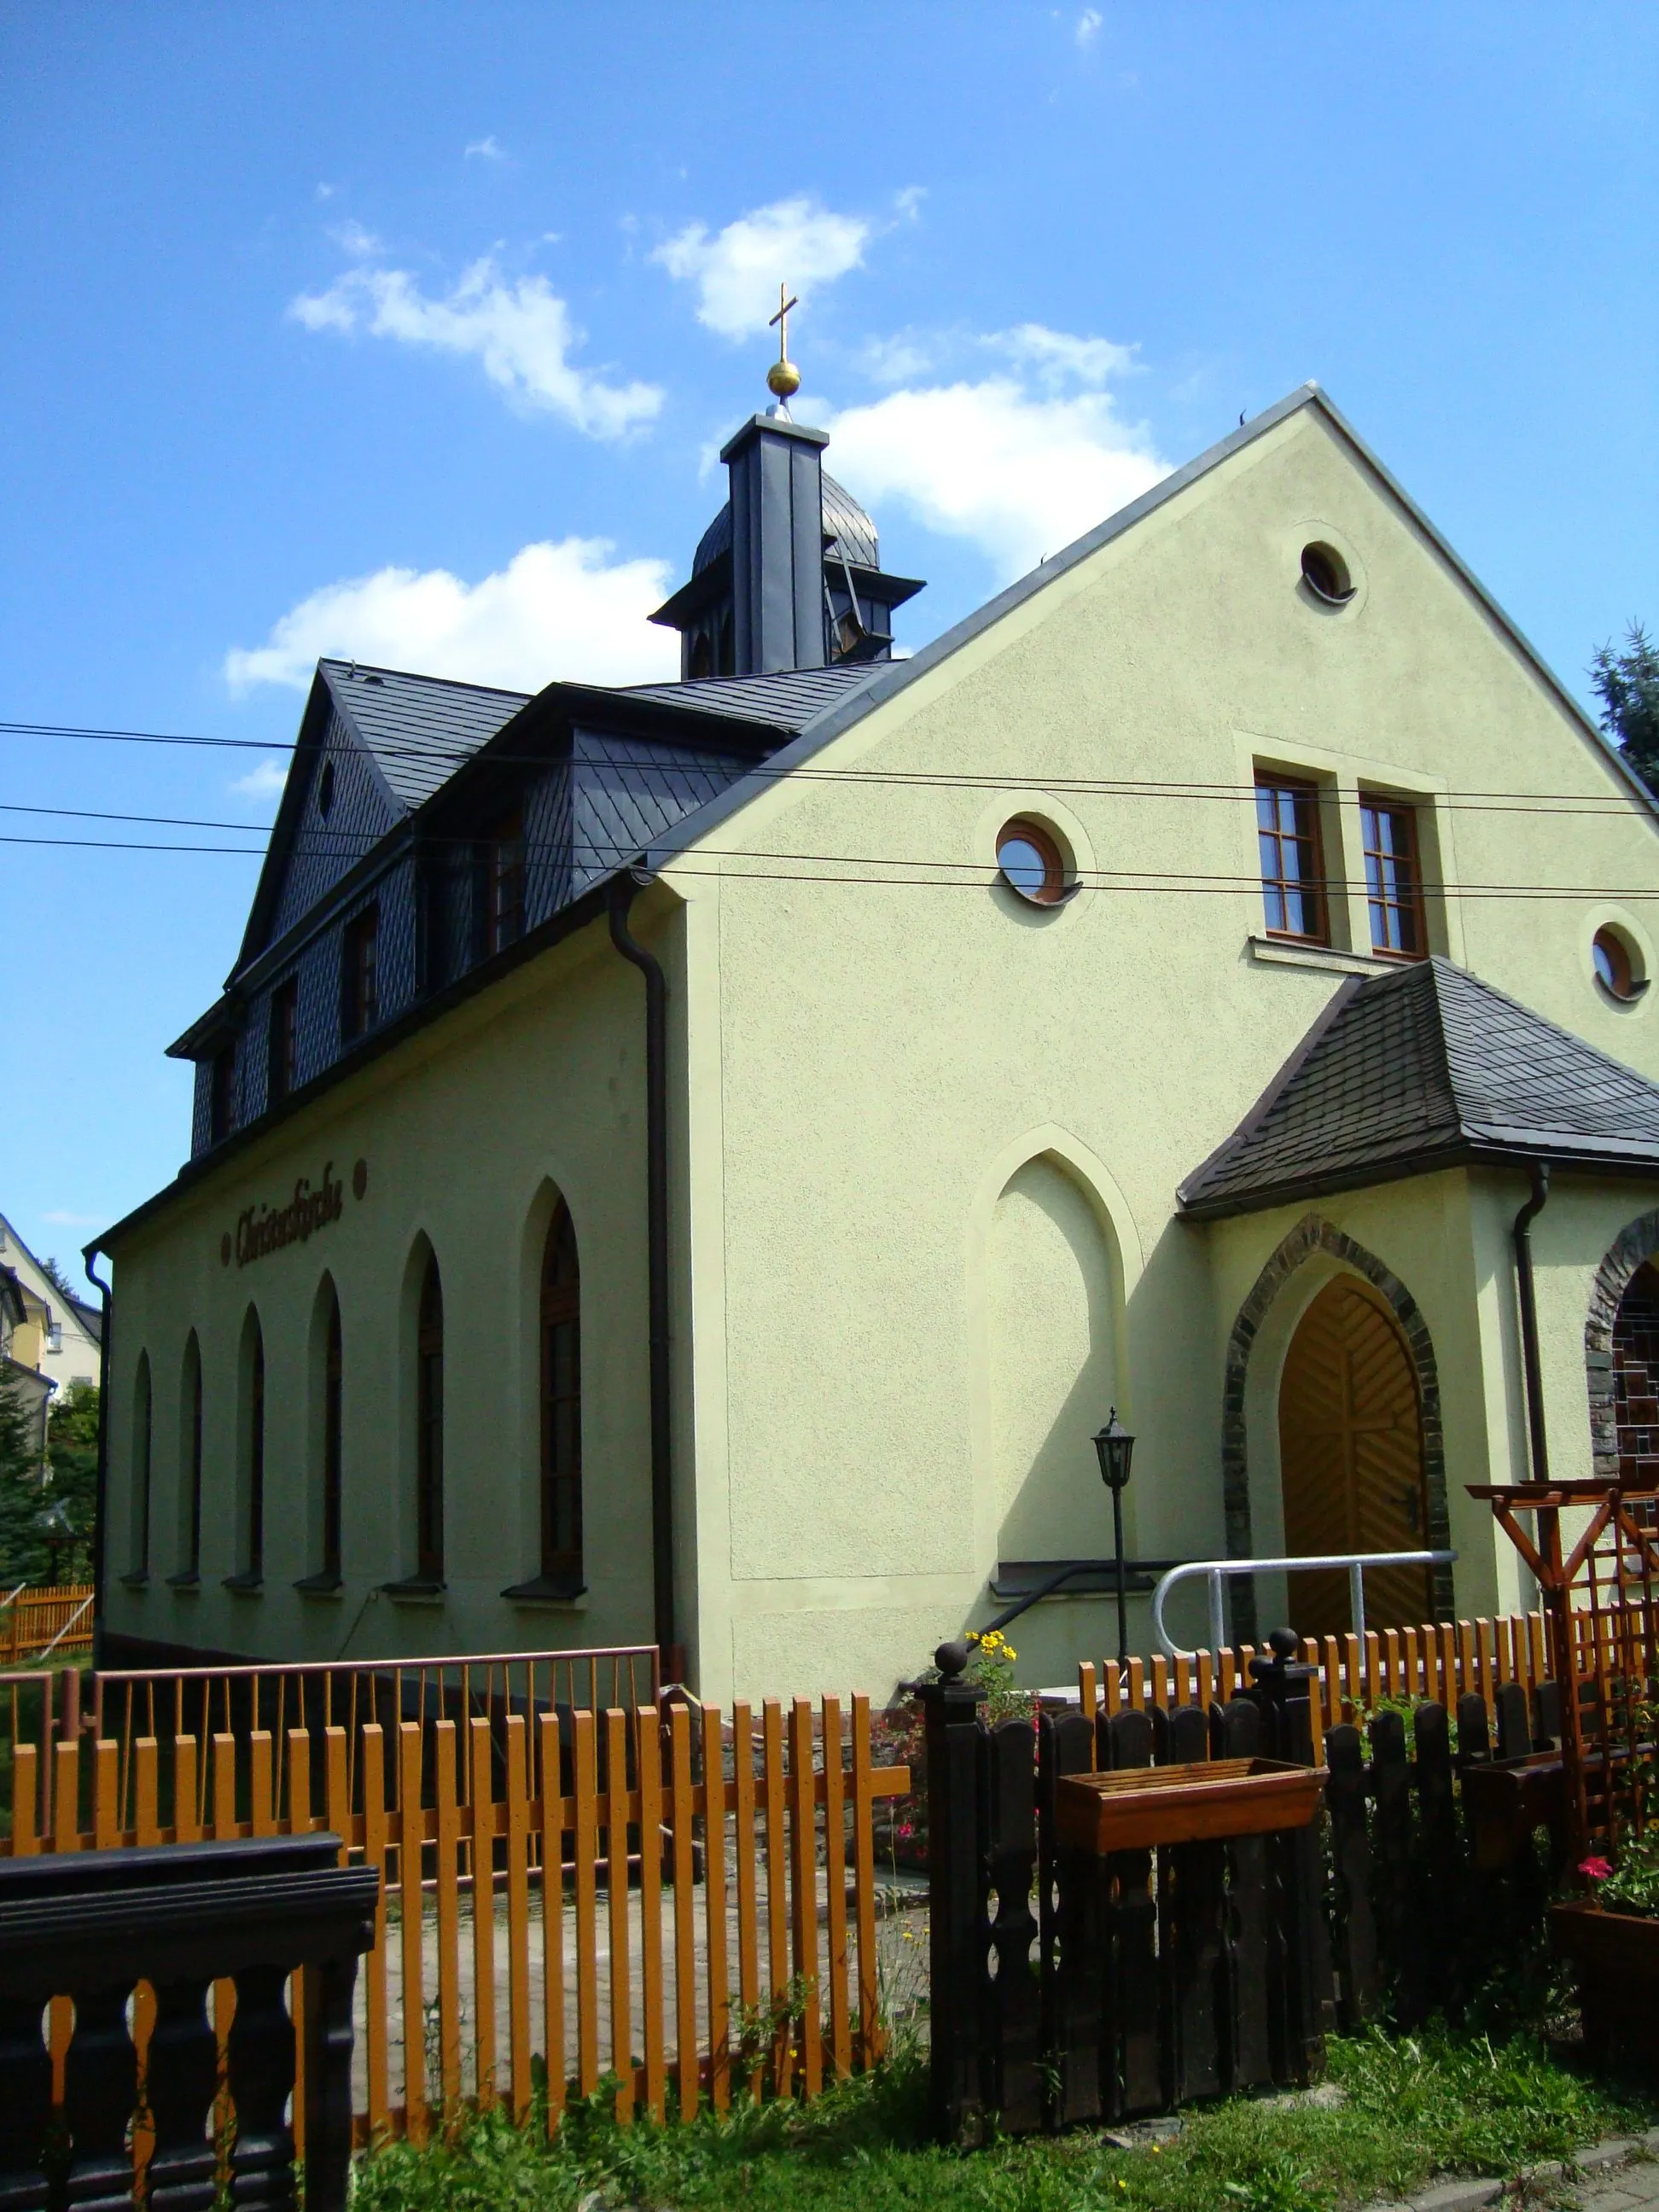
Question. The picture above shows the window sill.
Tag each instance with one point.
(1331, 960)
(247, 1585)
(138, 1580)
(548, 1593)
(189, 1582)
(321, 1586)
(414, 1589)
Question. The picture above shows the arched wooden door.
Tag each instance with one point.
(1351, 1459)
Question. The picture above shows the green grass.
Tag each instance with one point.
(1415, 2107)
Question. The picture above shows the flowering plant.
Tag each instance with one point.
(1630, 1883)
(990, 1662)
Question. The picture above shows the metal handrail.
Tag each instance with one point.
(1214, 1570)
(85, 1605)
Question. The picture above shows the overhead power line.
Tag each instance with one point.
(941, 875)
(1502, 802)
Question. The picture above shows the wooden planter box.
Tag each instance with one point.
(1615, 1960)
(1137, 1807)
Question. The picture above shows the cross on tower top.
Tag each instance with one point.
(783, 378)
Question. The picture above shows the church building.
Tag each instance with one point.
(696, 1162)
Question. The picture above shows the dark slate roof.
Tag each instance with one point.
(418, 729)
(847, 527)
(787, 700)
(1426, 1067)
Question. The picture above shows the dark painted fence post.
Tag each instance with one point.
(1304, 2011)
(955, 1895)
(1069, 1884)
(1013, 2081)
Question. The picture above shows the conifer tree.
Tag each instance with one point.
(1627, 684)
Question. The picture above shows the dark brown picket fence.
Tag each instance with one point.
(1071, 1987)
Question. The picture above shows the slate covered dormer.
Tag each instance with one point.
(430, 828)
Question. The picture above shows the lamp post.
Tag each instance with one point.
(58, 1531)
(1114, 1448)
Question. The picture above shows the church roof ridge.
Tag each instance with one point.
(893, 676)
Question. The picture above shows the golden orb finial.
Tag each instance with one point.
(783, 378)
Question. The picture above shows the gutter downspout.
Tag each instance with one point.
(100, 1508)
(1529, 1303)
(623, 891)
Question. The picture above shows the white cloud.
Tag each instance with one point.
(352, 237)
(263, 781)
(1057, 357)
(738, 270)
(899, 359)
(522, 333)
(1020, 473)
(1088, 27)
(555, 612)
(486, 149)
(73, 1220)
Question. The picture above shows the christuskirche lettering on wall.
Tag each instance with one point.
(261, 1229)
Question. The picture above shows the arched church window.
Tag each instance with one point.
(702, 658)
(141, 1471)
(562, 1404)
(430, 1429)
(333, 1390)
(190, 1471)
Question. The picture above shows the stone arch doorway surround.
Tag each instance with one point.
(1635, 1245)
(1311, 1236)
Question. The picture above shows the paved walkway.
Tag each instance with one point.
(1620, 2175)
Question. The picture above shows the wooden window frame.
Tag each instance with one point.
(1054, 886)
(502, 881)
(282, 1063)
(1311, 887)
(1394, 904)
(560, 1309)
(359, 974)
(430, 1429)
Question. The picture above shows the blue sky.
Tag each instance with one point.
(413, 332)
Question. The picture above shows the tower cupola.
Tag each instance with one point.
(789, 574)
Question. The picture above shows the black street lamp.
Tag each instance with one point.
(58, 1531)
(1114, 1448)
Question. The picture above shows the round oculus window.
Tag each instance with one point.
(1325, 573)
(1615, 965)
(325, 791)
(1032, 862)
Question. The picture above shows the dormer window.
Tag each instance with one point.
(503, 881)
(360, 974)
(285, 1040)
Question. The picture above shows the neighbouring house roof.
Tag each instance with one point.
(1426, 1067)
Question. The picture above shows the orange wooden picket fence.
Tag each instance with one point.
(682, 1903)
(58, 1621)
(1438, 1662)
